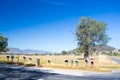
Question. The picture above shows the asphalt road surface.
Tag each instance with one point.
(116, 60)
(10, 72)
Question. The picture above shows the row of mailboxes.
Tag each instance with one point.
(37, 61)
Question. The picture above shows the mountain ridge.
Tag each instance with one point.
(98, 48)
(26, 51)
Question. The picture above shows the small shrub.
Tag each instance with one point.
(20, 63)
(10, 63)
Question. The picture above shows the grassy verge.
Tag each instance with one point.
(111, 67)
(88, 68)
(59, 62)
(5, 62)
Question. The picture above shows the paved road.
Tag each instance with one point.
(115, 59)
(8, 72)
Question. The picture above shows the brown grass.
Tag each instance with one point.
(58, 62)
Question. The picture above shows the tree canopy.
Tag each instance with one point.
(64, 52)
(90, 32)
(3, 43)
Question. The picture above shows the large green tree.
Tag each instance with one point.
(3, 43)
(90, 32)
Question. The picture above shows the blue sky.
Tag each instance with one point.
(47, 24)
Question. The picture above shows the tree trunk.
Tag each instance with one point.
(86, 51)
(86, 54)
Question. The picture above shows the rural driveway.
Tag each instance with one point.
(10, 72)
(115, 59)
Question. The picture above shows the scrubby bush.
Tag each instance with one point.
(29, 65)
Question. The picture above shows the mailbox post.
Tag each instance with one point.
(17, 58)
(49, 62)
(12, 57)
(37, 62)
(7, 58)
(86, 61)
(71, 62)
(92, 63)
(76, 61)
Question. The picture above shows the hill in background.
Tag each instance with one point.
(104, 48)
(32, 51)
(97, 48)
(26, 51)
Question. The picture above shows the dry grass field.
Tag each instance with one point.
(102, 63)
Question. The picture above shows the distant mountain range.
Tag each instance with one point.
(31, 51)
(26, 51)
(98, 48)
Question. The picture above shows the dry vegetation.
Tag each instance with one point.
(101, 63)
